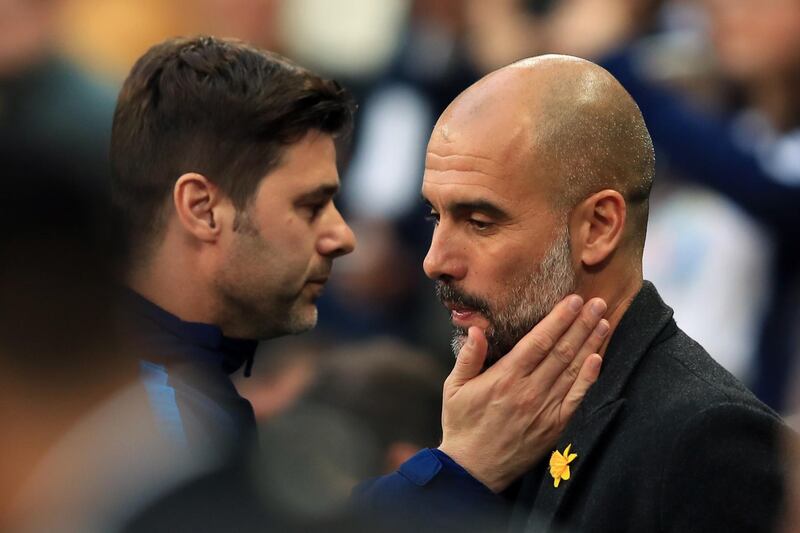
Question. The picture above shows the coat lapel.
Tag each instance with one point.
(583, 440)
(646, 321)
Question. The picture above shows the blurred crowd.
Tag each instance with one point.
(718, 82)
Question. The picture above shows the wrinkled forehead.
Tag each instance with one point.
(503, 142)
(488, 119)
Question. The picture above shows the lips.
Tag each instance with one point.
(316, 286)
(321, 278)
(459, 310)
(461, 314)
(465, 316)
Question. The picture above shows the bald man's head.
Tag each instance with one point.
(566, 123)
(537, 177)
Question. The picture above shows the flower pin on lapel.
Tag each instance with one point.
(559, 465)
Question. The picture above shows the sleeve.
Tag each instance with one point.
(726, 472)
(706, 149)
(431, 492)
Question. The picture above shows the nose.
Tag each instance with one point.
(443, 260)
(338, 239)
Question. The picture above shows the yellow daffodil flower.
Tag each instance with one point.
(559, 465)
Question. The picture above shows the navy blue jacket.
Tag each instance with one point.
(186, 367)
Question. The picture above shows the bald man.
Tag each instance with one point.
(538, 179)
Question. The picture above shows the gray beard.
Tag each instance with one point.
(532, 297)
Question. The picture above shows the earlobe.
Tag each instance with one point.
(601, 224)
(196, 202)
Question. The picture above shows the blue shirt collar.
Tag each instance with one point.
(169, 339)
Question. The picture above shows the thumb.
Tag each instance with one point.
(469, 361)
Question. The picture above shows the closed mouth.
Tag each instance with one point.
(322, 280)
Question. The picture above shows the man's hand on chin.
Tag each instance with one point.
(498, 423)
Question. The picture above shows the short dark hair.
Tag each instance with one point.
(218, 107)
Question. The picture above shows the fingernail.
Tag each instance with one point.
(598, 307)
(470, 338)
(602, 328)
(575, 303)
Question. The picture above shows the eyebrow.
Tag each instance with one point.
(323, 192)
(480, 206)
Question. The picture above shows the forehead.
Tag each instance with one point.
(495, 162)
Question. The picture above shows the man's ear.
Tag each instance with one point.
(597, 226)
(198, 204)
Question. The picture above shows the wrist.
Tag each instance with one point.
(487, 475)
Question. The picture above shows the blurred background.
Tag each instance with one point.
(718, 82)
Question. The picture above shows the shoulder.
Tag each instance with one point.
(679, 375)
(720, 447)
(725, 469)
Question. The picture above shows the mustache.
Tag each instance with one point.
(449, 294)
(323, 271)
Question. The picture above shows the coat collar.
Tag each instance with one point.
(165, 338)
(646, 321)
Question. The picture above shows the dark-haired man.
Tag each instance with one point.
(217, 254)
(538, 177)
(224, 173)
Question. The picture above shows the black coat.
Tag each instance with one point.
(667, 440)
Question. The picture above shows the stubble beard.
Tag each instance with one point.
(299, 320)
(530, 299)
(260, 307)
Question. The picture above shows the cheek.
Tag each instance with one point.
(496, 272)
(297, 257)
(294, 238)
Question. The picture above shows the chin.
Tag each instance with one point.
(458, 340)
(303, 320)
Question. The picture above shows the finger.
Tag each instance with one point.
(537, 343)
(569, 345)
(469, 361)
(592, 345)
(587, 376)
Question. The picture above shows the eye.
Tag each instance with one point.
(480, 225)
(313, 210)
(433, 217)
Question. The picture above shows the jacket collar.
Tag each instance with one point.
(167, 339)
(647, 321)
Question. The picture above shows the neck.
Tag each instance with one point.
(617, 295)
(171, 281)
